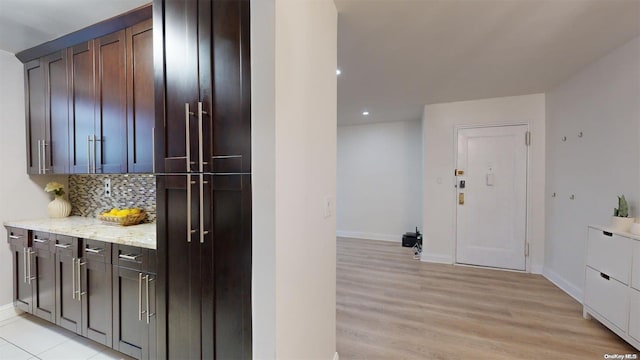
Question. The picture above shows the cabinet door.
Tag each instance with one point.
(140, 99)
(55, 148)
(22, 290)
(180, 43)
(179, 284)
(68, 304)
(95, 293)
(35, 114)
(231, 222)
(43, 276)
(111, 109)
(129, 328)
(228, 147)
(81, 106)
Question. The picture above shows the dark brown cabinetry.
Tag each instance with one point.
(90, 107)
(95, 291)
(134, 302)
(204, 201)
(140, 101)
(21, 252)
(47, 114)
(33, 273)
(43, 278)
(68, 295)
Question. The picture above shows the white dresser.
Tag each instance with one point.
(612, 281)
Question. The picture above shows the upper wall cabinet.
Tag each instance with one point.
(47, 114)
(90, 106)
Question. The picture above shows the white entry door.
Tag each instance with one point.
(492, 196)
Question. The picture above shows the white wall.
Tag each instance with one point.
(379, 180)
(439, 122)
(21, 196)
(603, 102)
(294, 55)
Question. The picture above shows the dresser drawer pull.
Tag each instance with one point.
(606, 233)
(604, 276)
(129, 257)
(15, 237)
(40, 241)
(94, 251)
(63, 246)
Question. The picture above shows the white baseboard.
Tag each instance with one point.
(537, 269)
(369, 236)
(573, 291)
(335, 356)
(436, 258)
(8, 311)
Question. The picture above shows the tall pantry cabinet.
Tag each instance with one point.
(202, 152)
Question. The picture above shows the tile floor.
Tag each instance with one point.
(28, 337)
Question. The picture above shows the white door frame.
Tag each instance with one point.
(454, 199)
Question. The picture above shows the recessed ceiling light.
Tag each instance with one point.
(338, 72)
(365, 113)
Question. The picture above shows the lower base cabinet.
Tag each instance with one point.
(634, 315)
(102, 291)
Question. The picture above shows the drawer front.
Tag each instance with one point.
(610, 254)
(130, 257)
(43, 241)
(634, 315)
(17, 237)
(66, 246)
(635, 274)
(608, 297)
(98, 251)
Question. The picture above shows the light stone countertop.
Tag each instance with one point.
(143, 235)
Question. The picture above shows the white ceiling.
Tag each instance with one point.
(27, 23)
(397, 55)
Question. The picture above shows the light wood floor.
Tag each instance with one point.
(390, 306)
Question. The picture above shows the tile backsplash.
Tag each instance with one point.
(86, 194)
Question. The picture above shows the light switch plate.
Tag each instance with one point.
(328, 207)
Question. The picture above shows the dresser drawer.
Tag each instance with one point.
(608, 297)
(94, 250)
(635, 273)
(634, 315)
(610, 254)
(18, 237)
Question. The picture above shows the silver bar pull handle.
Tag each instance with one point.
(63, 246)
(89, 154)
(148, 312)
(189, 220)
(28, 266)
(44, 157)
(39, 158)
(73, 277)
(203, 232)
(95, 141)
(79, 277)
(139, 296)
(200, 139)
(131, 257)
(153, 150)
(24, 265)
(39, 241)
(15, 237)
(93, 251)
(187, 115)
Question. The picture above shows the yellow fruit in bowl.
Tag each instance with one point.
(114, 211)
(123, 213)
(135, 211)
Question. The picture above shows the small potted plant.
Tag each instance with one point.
(59, 207)
(621, 219)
